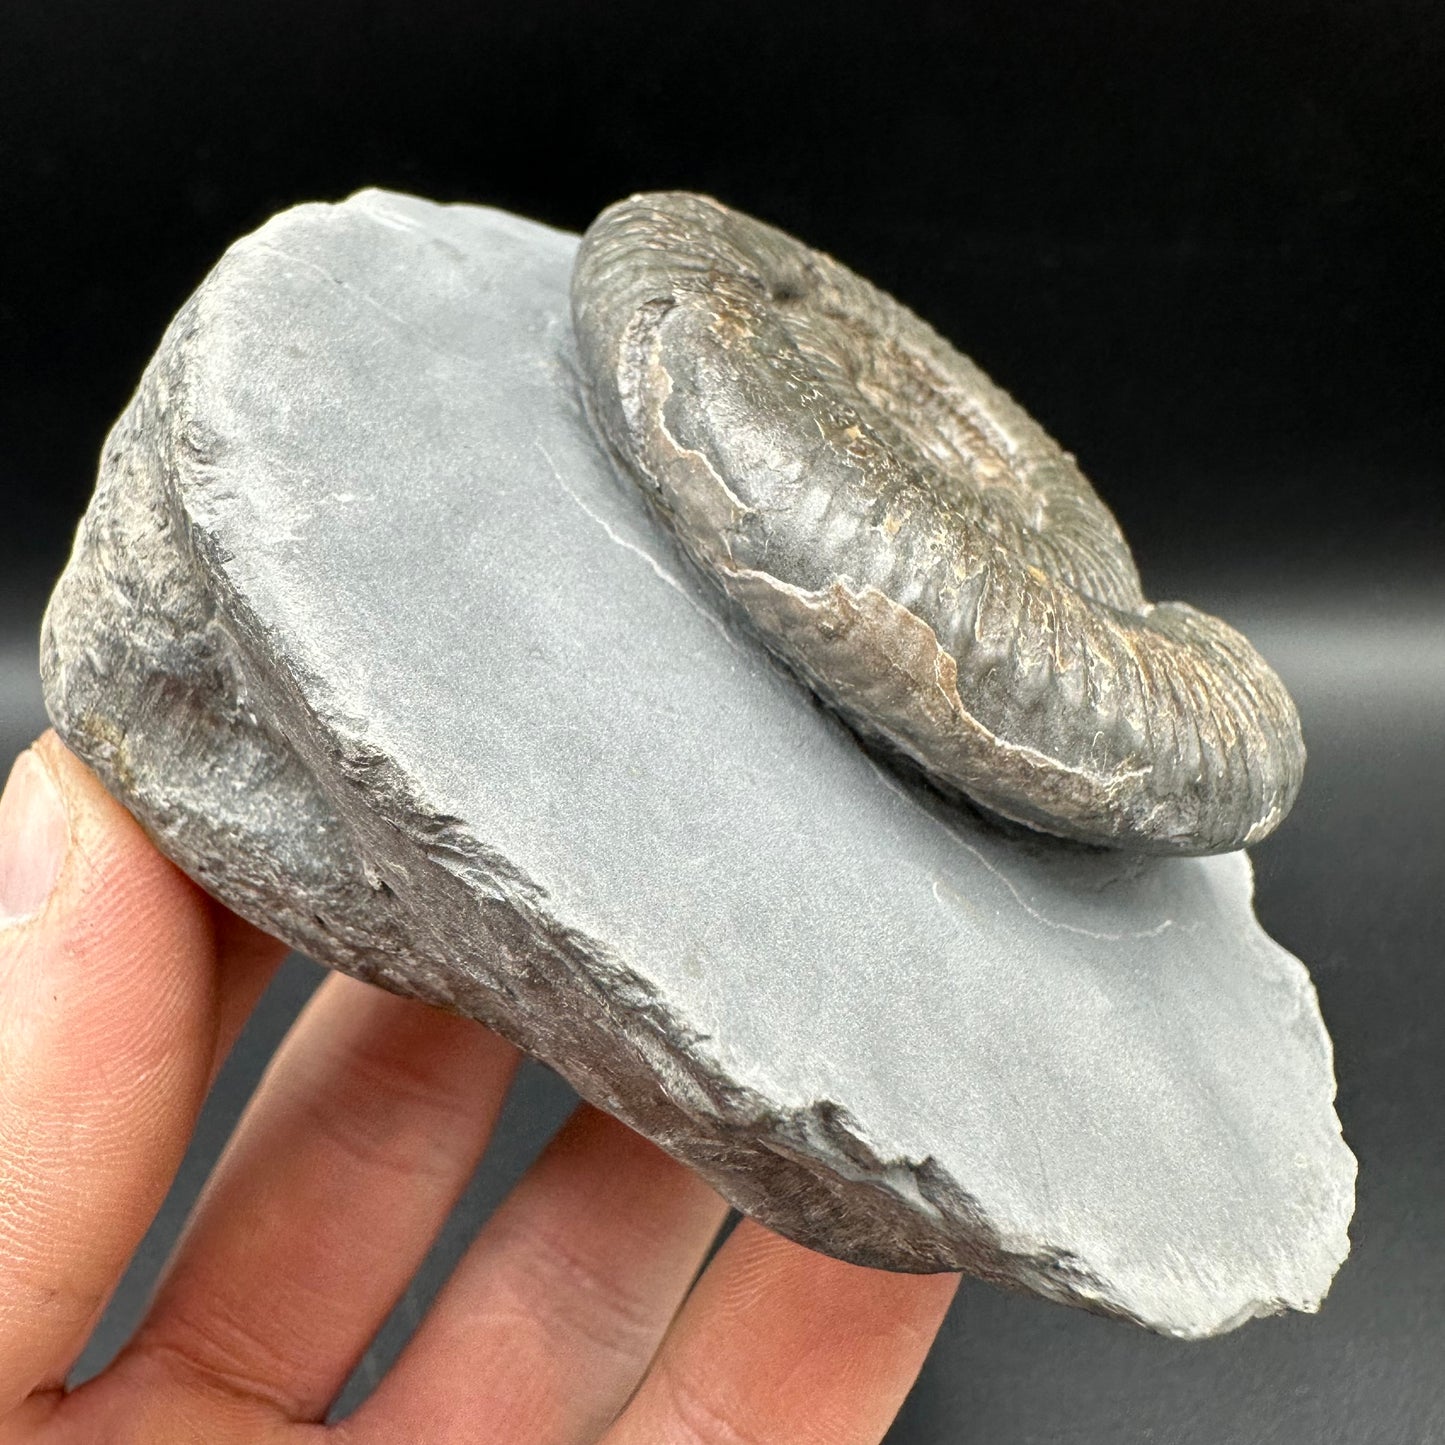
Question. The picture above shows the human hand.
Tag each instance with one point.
(569, 1319)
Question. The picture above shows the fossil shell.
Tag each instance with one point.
(915, 545)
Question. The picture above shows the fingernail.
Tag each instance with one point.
(34, 837)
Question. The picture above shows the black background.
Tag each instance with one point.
(1202, 243)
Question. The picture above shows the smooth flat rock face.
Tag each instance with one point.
(364, 628)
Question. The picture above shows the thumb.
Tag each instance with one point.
(109, 1008)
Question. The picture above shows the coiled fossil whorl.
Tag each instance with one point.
(912, 543)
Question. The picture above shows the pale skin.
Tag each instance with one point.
(576, 1315)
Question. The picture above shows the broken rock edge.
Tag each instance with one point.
(934, 1222)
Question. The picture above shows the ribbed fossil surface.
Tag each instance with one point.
(913, 544)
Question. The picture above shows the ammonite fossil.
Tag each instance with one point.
(912, 543)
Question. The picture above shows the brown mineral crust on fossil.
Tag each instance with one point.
(912, 543)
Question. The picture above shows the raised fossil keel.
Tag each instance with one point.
(364, 629)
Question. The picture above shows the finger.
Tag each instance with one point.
(361, 1136)
(250, 959)
(111, 985)
(779, 1344)
(556, 1309)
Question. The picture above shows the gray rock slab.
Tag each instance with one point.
(364, 629)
